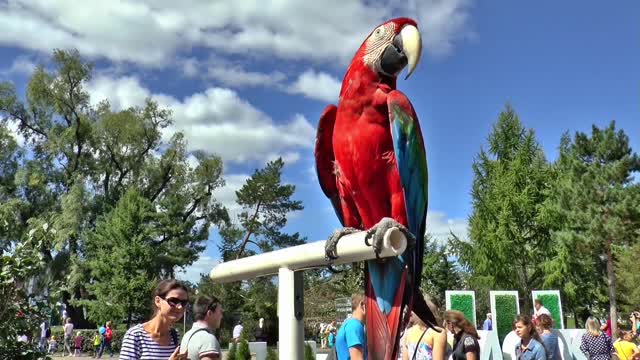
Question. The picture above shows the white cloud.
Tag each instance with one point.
(22, 66)
(443, 22)
(151, 32)
(227, 194)
(317, 85)
(201, 266)
(439, 225)
(12, 125)
(216, 120)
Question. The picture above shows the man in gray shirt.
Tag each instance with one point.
(199, 343)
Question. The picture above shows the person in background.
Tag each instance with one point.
(97, 340)
(540, 309)
(156, 338)
(465, 336)
(530, 346)
(200, 343)
(44, 335)
(106, 340)
(323, 341)
(351, 342)
(595, 344)
(261, 331)
(78, 344)
(237, 331)
(68, 335)
(607, 327)
(624, 346)
(635, 323)
(488, 324)
(331, 340)
(423, 343)
(53, 345)
(549, 339)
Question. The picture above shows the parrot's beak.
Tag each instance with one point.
(412, 45)
(405, 49)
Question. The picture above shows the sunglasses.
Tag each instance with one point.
(174, 302)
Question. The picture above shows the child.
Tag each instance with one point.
(96, 343)
(78, 345)
(53, 344)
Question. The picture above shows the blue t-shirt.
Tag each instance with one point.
(351, 334)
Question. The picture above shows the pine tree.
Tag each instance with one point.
(594, 204)
(507, 242)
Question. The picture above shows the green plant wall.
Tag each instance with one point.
(552, 303)
(506, 312)
(464, 304)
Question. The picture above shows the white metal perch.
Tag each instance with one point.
(288, 263)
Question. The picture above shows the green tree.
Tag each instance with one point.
(243, 349)
(21, 312)
(507, 241)
(122, 256)
(594, 206)
(265, 204)
(82, 160)
(439, 272)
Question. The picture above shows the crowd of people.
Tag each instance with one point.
(455, 339)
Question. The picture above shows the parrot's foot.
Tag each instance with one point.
(331, 246)
(378, 230)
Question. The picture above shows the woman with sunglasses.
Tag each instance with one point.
(156, 339)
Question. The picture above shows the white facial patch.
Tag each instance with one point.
(377, 42)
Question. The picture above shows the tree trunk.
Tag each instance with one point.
(611, 278)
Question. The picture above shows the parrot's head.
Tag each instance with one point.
(391, 47)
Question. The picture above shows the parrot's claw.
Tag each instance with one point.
(378, 230)
(331, 246)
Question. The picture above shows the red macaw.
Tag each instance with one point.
(371, 163)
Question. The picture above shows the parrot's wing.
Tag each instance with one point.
(411, 160)
(325, 158)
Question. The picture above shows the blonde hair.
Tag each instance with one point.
(592, 326)
(356, 300)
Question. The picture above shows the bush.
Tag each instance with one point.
(272, 354)
(232, 352)
(308, 352)
(243, 351)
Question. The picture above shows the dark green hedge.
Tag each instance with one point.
(464, 304)
(506, 312)
(552, 303)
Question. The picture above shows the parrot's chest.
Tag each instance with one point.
(363, 145)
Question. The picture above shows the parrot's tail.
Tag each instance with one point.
(383, 331)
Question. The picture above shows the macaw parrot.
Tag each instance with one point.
(371, 164)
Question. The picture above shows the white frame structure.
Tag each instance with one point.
(534, 294)
(449, 293)
(289, 263)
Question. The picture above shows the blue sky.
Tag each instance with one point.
(230, 66)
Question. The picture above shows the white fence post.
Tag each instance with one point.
(288, 264)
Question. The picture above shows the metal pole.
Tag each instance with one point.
(290, 314)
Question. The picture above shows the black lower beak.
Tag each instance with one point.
(393, 58)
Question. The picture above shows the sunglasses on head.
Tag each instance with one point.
(173, 302)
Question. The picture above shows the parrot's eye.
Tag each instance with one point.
(379, 32)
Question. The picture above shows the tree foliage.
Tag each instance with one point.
(594, 211)
(79, 159)
(507, 240)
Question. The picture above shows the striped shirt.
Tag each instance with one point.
(137, 344)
